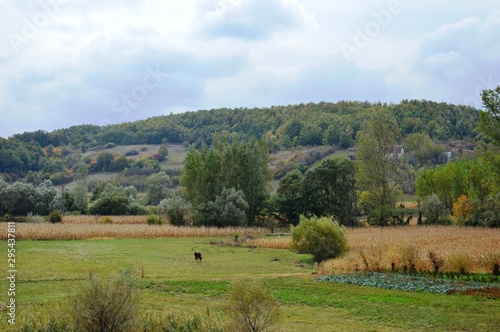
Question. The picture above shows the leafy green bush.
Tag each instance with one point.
(251, 307)
(106, 220)
(55, 217)
(321, 237)
(153, 219)
(176, 209)
(131, 153)
(435, 211)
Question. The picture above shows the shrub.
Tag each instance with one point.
(437, 260)
(321, 237)
(106, 306)
(373, 258)
(131, 153)
(35, 219)
(492, 263)
(251, 307)
(409, 257)
(176, 209)
(55, 217)
(435, 211)
(153, 219)
(106, 220)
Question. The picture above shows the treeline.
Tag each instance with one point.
(302, 124)
(280, 126)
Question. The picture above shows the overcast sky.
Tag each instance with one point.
(70, 62)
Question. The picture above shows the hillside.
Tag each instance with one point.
(40, 154)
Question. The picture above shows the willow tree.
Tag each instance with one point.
(377, 167)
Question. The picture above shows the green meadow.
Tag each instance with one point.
(170, 279)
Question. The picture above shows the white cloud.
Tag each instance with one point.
(253, 19)
(235, 53)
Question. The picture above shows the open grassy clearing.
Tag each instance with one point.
(49, 271)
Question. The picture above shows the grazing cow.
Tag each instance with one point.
(197, 255)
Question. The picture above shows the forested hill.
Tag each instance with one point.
(281, 127)
(303, 124)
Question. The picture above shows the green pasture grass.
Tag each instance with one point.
(49, 272)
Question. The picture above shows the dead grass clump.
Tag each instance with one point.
(373, 258)
(460, 261)
(409, 258)
(491, 262)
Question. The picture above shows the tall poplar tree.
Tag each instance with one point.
(228, 163)
(376, 165)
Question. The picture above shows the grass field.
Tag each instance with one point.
(50, 271)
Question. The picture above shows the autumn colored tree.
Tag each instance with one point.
(462, 209)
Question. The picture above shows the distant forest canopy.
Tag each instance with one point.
(281, 127)
(296, 123)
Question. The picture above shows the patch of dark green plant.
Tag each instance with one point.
(412, 283)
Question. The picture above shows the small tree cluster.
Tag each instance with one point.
(108, 199)
(435, 211)
(327, 189)
(228, 209)
(176, 209)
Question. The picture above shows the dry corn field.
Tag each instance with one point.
(67, 231)
(87, 220)
(376, 249)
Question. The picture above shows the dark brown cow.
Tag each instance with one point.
(197, 255)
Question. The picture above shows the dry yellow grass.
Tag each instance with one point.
(378, 248)
(88, 220)
(471, 245)
(275, 242)
(67, 231)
